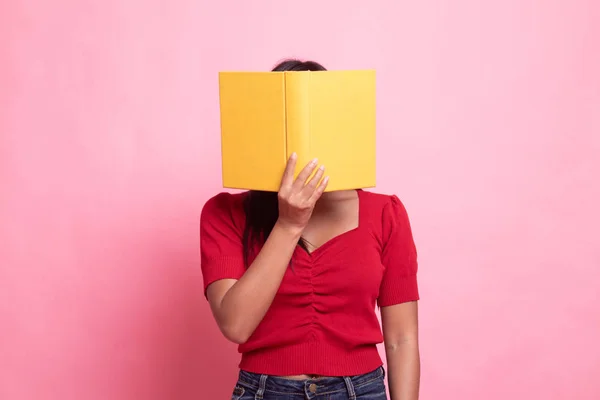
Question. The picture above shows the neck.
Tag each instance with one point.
(338, 195)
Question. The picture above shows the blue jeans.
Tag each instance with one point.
(369, 386)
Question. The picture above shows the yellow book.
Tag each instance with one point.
(266, 116)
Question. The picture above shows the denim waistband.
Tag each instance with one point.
(320, 385)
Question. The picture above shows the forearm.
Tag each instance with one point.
(247, 301)
(404, 370)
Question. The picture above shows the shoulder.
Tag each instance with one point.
(383, 202)
(224, 208)
(387, 208)
(224, 201)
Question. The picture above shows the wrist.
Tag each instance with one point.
(290, 230)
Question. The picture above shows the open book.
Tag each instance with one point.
(266, 116)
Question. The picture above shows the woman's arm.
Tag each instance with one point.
(401, 338)
(239, 305)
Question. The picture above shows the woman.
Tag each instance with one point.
(294, 277)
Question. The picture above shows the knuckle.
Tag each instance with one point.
(306, 205)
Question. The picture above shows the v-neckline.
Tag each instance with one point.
(336, 238)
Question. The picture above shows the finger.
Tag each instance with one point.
(304, 174)
(314, 181)
(319, 190)
(288, 175)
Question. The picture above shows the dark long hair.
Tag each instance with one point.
(261, 208)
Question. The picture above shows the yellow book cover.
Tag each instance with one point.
(266, 116)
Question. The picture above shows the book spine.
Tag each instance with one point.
(297, 106)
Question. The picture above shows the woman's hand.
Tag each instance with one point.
(297, 198)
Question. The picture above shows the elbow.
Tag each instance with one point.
(401, 342)
(237, 338)
(234, 326)
(236, 335)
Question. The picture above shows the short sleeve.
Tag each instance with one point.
(221, 248)
(399, 257)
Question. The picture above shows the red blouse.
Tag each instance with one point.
(322, 320)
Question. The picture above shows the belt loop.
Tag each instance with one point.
(261, 387)
(350, 387)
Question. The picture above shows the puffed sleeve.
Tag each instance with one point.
(399, 257)
(221, 249)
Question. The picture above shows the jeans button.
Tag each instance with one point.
(313, 388)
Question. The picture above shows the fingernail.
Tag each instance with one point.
(293, 156)
(314, 161)
(326, 179)
(322, 168)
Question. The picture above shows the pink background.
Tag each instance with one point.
(489, 130)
